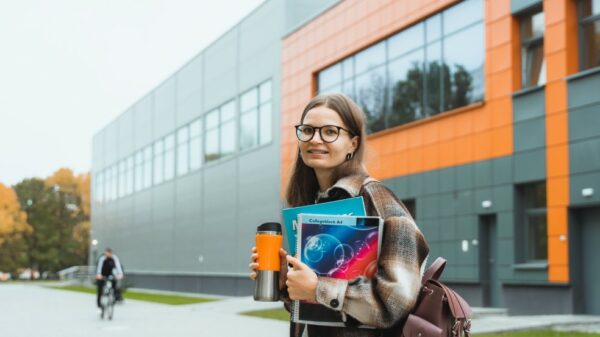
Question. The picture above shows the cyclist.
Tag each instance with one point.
(108, 264)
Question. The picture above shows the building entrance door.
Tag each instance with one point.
(587, 268)
(488, 263)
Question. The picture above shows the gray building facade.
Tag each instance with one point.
(182, 178)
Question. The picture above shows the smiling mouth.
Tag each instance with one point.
(317, 152)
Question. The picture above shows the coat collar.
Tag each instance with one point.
(350, 184)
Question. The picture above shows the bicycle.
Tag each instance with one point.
(107, 298)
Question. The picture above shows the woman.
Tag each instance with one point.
(329, 166)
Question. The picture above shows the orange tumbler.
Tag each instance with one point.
(268, 242)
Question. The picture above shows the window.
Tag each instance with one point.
(212, 136)
(169, 157)
(532, 222)
(433, 66)
(255, 120)
(147, 166)
(99, 187)
(220, 132)
(107, 183)
(159, 152)
(228, 136)
(122, 179)
(590, 33)
(533, 64)
(196, 144)
(113, 182)
(139, 170)
(183, 151)
(129, 175)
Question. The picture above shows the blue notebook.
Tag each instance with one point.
(351, 206)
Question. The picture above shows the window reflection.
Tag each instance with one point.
(430, 67)
(590, 29)
(463, 56)
(406, 81)
(370, 58)
(371, 96)
(533, 64)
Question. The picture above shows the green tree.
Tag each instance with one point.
(58, 212)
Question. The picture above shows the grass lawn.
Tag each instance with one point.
(280, 314)
(283, 315)
(140, 296)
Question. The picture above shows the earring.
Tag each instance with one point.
(349, 156)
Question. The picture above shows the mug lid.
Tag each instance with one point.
(270, 227)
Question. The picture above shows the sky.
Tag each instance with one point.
(69, 67)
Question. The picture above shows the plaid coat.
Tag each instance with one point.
(384, 301)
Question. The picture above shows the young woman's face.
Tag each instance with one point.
(321, 155)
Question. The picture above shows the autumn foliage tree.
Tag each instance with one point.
(13, 229)
(58, 211)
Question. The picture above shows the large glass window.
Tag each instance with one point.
(139, 170)
(532, 222)
(108, 183)
(159, 153)
(147, 166)
(255, 120)
(183, 151)
(196, 144)
(122, 179)
(590, 33)
(220, 132)
(228, 134)
(99, 187)
(533, 64)
(129, 175)
(433, 66)
(114, 185)
(169, 157)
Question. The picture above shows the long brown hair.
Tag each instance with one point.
(303, 185)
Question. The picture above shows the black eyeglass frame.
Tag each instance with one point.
(315, 128)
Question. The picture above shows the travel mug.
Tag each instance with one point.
(268, 242)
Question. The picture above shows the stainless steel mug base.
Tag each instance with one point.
(267, 286)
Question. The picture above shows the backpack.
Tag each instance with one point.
(440, 311)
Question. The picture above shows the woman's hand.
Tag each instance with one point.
(301, 281)
(283, 266)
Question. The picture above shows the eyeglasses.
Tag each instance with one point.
(328, 133)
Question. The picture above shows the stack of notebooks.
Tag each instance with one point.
(335, 239)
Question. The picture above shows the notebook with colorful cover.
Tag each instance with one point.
(350, 206)
(344, 247)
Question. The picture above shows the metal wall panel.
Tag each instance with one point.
(144, 122)
(164, 108)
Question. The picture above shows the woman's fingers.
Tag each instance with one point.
(253, 257)
(254, 250)
(253, 275)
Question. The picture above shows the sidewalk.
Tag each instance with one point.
(32, 310)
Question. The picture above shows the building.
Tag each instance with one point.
(483, 117)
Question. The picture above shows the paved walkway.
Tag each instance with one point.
(32, 310)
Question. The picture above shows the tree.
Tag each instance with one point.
(58, 211)
(13, 228)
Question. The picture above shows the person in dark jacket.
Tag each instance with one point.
(108, 265)
(329, 166)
